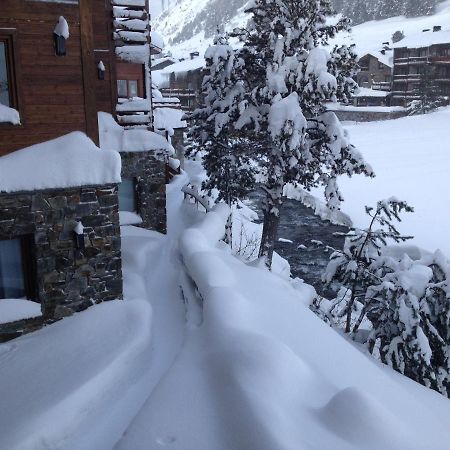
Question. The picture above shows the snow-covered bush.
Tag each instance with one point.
(397, 306)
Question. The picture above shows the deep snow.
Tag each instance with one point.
(411, 160)
(236, 362)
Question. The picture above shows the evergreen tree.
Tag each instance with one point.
(288, 77)
(358, 266)
(428, 91)
(226, 157)
(227, 166)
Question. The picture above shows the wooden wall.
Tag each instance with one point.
(57, 94)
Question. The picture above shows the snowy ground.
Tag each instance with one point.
(241, 363)
(411, 159)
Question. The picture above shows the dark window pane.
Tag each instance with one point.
(127, 195)
(12, 281)
(122, 90)
(4, 87)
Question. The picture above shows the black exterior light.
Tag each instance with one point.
(60, 36)
(101, 70)
(78, 233)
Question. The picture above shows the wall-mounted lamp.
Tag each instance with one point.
(78, 233)
(60, 35)
(101, 70)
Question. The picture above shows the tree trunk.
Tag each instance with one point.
(272, 207)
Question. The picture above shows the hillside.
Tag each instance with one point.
(190, 25)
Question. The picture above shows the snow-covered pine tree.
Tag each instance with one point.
(288, 78)
(225, 155)
(410, 315)
(211, 125)
(359, 264)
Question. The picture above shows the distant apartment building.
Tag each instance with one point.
(426, 53)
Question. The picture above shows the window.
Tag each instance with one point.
(122, 90)
(127, 88)
(127, 195)
(15, 268)
(132, 88)
(7, 90)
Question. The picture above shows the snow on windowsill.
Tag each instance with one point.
(129, 218)
(13, 309)
(9, 115)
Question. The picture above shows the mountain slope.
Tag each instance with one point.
(191, 24)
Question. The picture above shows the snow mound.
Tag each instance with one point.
(259, 370)
(115, 137)
(68, 161)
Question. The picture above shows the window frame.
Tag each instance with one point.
(9, 37)
(28, 265)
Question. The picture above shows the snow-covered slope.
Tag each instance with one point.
(190, 24)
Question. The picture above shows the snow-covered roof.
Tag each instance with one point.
(68, 161)
(184, 66)
(367, 92)
(116, 138)
(424, 39)
(156, 39)
(386, 58)
(168, 119)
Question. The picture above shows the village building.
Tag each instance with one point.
(376, 70)
(425, 54)
(183, 80)
(70, 175)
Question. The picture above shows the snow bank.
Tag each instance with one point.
(9, 115)
(129, 218)
(69, 161)
(53, 386)
(156, 39)
(115, 137)
(260, 371)
(17, 309)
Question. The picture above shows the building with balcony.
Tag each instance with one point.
(425, 54)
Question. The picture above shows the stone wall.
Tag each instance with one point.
(67, 280)
(368, 116)
(149, 173)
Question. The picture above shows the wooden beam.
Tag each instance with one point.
(89, 69)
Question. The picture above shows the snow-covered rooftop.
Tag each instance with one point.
(156, 39)
(424, 39)
(68, 161)
(184, 66)
(386, 58)
(116, 138)
(168, 119)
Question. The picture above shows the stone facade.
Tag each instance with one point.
(66, 279)
(149, 173)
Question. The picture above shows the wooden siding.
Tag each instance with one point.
(52, 89)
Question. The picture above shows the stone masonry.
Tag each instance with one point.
(149, 173)
(67, 279)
